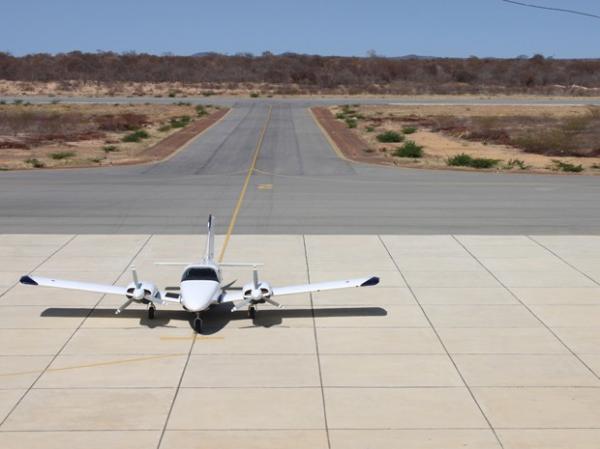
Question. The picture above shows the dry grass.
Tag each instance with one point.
(519, 138)
(33, 135)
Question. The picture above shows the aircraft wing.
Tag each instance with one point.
(308, 288)
(322, 286)
(74, 285)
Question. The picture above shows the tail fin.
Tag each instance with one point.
(210, 242)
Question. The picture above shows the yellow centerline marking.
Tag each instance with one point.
(240, 200)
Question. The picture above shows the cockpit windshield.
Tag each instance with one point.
(200, 274)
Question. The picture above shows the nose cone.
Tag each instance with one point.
(198, 295)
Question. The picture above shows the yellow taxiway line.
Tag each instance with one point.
(240, 200)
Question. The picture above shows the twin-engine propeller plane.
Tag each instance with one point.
(201, 287)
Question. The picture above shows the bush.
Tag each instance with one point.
(254, 95)
(110, 148)
(35, 162)
(516, 163)
(409, 149)
(60, 155)
(390, 137)
(164, 128)
(351, 122)
(596, 166)
(370, 129)
(208, 93)
(409, 130)
(172, 94)
(136, 136)
(201, 110)
(464, 160)
(340, 116)
(566, 166)
(180, 122)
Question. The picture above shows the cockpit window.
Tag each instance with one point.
(200, 274)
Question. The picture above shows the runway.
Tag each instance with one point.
(298, 186)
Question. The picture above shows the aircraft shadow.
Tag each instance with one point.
(217, 317)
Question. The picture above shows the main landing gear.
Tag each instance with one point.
(252, 312)
(198, 323)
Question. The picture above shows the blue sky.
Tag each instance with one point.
(349, 27)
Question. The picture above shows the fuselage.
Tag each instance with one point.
(200, 286)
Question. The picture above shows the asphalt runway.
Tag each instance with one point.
(299, 186)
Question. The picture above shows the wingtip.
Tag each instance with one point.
(374, 280)
(27, 280)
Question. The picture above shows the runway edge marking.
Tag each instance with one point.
(240, 200)
(332, 143)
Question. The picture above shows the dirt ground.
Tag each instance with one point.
(439, 146)
(100, 148)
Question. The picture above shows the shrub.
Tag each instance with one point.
(409, 149)
(2, 101)
(465, 160)
(254, 95)
(370, 129)
(566, 166)
(340, 116)
(512, 163)
(110, 148)
(172, 94)
(390, 137)
(183, 103)
(18, 102)
(60, 155)
(164, 128)
(201, 110)
(96, 160)
(208, 93)
(180, 122)
(409, 130)
(35, 163)
(351, 122)
(136, 136)
(596, 166)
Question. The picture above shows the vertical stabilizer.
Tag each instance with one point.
(210, 241)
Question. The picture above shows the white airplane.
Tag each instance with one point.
(200, 287)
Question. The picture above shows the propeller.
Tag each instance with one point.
(137, 294)
(257, 294)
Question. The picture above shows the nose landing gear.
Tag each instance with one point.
(198, 323)
(151, 312)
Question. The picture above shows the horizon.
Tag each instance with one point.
(485, 29)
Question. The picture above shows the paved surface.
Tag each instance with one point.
(299, 186)
(469, 341)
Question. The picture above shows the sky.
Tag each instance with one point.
(450, 28)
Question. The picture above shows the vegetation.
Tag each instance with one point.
(351, 122)
(136, 136)
(409, 149)
(35, 163)
(110, 148)
(60, 155)
(296, 73)
(201, 110)
(390, 137)
(566, 166)
(180, 122)
(409, 130)
(465, 160)
(165, 128)
(512, 163)
(254, 95)
(370, 129)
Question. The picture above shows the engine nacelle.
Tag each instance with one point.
(264, 291)
(149, 291)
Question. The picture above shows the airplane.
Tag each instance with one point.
(201, 287)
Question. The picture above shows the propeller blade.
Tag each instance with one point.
(274, 303)
(241, 305)
(228, 286)
(135, 278)
(255, 277)
(123, 306)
